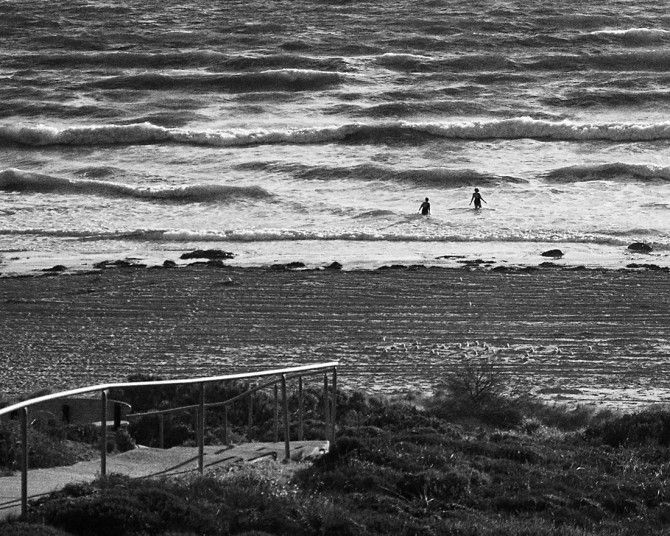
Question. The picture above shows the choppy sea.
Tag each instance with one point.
(311, 130)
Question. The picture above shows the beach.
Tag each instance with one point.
(564, 334)
(312, 131)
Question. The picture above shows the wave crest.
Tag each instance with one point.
(436, 177)
(630, 36)
(386, 132)
(610, 172)
(15, 180)
(609, 98)
(277, 235)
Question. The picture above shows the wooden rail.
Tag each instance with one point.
(279, 377)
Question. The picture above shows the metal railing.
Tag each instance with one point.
(279, 376)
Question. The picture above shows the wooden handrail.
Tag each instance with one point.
(156, 383)
(102, 389)
(228, 402)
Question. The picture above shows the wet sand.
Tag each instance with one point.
(568, 335)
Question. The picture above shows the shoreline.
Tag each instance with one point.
(565, 335)
(351, 255)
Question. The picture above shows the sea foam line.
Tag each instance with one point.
(516, 128)
(292, 235)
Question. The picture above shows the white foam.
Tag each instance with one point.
(517, 128)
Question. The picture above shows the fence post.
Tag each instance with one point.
(276, 436)
(201, 430)
(117, 416)
(225, 425)
(326, 408)
(287, 430)
(250, 416)
(333, 407)
(24, 462)
(161, 431)
(300, 410)
(103, 432)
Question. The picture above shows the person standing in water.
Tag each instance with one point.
(477, 198)
(425, 208)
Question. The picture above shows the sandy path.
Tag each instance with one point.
(148, 462)
(602, 335)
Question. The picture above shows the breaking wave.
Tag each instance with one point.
(363, 133)
(610, 172)
(435, 177)
(278, 235)
(15, 180)
(633, 60)
(609, 98)
(421, 63)
(629, 36)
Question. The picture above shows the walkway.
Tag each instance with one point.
(146, 462)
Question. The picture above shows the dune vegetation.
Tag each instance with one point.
(473, 459)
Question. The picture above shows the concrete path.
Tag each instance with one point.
(146, 462)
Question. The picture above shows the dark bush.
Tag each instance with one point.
(431, 483)
(519, 503)
(29, 529)
(476, 391)
(124, 442)
(82, 433)
(108, 515)
(44, 451)
(651, 426)
(343, 448)
(173, 511)
(125, 506)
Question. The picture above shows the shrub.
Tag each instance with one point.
(124, 442)
(29, 529)
(108, 515)
(431, 483)
(476, 390)
(124, 507)
(44, 451)
(174, 511)
(320, 516)
(564, 417)
(651, 426)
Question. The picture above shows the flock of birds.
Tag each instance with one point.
(470, 349)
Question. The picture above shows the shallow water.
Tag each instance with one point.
(318, 127)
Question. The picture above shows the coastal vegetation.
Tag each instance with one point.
(474, 459)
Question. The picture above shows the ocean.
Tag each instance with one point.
(312, 130)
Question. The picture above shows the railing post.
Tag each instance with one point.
(326, 408)
(103, 432)
(300, 410)
(117, 416)
(333, 407)
(225, 425)
(250, 415)
(161, 431)
(287, 430)
(276, 436)
(201, 430)
(24, 462)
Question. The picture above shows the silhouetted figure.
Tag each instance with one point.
(477, 198)
(425, 208)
